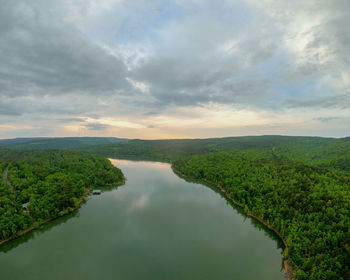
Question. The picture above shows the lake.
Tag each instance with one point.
(156, 226)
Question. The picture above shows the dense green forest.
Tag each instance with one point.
(309, 206)
(53, 183)
(61, 143)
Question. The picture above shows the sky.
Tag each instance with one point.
(174, 68)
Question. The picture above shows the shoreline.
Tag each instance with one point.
(32, 227)
(288, 269)
(81, 200)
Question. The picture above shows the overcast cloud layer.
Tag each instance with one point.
(174, 68)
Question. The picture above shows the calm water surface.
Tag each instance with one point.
(156, 226)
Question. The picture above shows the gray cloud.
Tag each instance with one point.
(42, 54)
(9, 110)
(69, 120)
(63, 60)
(251, 66)
(328, 119)
(208, 60)
(339, 101)
(96, 126)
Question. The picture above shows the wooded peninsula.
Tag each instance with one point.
(39, 186)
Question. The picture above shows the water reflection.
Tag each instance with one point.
(141, 162)
(271, 234)
(31, 235)
(156, 226)
(126, 163)
(37, 232)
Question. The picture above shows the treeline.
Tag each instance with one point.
(309, 206)
(51, 183)
(316, 151)
(59, 143)
(170, 150)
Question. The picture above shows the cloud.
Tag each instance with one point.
(338, 101)
(96, 126)
(327, 119)
(69, 120)
(9, 110)
(41, 54)
(121, 63)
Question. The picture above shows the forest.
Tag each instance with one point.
(49, 184)
(308, 206)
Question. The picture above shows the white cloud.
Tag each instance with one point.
(138, 85)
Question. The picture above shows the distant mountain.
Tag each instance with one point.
(60, 143)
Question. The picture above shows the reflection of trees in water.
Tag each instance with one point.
(109, 188)
(239, 210)
(46, 227)
(61, 220)
(36, 232)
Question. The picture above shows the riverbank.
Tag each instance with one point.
(56, 183)
(288, 269)
(35, 226)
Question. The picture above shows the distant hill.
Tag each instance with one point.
(61, 143)
(310, 150)
(13, 141)
(317, 151)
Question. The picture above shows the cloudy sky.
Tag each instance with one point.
(174, 68)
